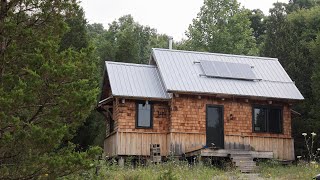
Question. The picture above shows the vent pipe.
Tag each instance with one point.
(170, 42)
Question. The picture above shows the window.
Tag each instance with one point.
(144, 115)
(267, 119)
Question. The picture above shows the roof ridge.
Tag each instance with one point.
(130, 64)
(218, 54)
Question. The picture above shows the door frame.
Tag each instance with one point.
(222, 114)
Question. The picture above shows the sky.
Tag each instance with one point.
(171, 17)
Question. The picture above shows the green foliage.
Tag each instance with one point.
(92, 132)
(76, 36)
(258, 25)
(274, 170)
(126, 40)
(167, 175)
(165, 171)
(295, 5)
(223, 27)
(170, 170)
(315, 81)
(46, 90)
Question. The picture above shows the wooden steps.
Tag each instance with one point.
(243, 160)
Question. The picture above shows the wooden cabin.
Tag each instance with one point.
(185, 101)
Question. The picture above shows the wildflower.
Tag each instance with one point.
(46, 175)
(318, 149)
(313, 162)
(313, 134)
(298, 157)
(304, 134)
(91, 164)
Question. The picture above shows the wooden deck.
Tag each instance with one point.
(209, 152)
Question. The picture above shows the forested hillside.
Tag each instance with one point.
(52, 60)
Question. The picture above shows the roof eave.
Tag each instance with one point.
(143, 98)
(221, 95)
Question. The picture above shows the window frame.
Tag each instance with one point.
(268, 108)
(137, 115)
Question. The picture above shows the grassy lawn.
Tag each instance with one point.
(181, 170)
(300, 171)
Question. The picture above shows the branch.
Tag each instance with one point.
(8, 157)
(39, 105)
(36, 114)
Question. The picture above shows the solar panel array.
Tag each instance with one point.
(227, 70)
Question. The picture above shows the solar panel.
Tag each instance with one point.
(227, 70)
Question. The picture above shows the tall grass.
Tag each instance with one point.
(173, 170)
(301, 170)
(176, 170)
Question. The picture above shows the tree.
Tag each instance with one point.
(76, 36)
(223, 27)
(92, 132)
(315, 52)
(45, 92)
(127, 41)
(258, 26)
(295, 5)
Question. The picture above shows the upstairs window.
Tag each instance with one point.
(267, 119)
(144, 114)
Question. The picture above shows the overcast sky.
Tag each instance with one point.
(171, 17)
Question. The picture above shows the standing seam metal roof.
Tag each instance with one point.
(180, 73)
(135, 80)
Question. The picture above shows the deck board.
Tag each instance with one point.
(207, 152)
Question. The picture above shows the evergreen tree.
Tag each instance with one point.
(45, 92)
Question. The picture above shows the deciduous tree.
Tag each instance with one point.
(223, 27)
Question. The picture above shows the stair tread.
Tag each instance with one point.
(247, 165)
(246, 168)
(243, 160)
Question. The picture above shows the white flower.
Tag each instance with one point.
(313, 162)
(304, 134)
(313, 134)
(318, 149)
(298, 157)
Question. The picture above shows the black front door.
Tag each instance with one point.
(214, 128)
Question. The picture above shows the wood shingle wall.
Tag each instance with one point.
(181, 124)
